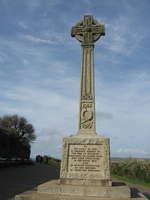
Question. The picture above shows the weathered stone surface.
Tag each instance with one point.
(60, 192)
(52, 187)
(86, 158)
(87, 95)
(85, 182)
(87, 31)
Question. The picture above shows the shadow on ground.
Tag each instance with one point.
(14, 181)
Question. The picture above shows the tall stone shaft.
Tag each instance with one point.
(87, 31)
(87, 94)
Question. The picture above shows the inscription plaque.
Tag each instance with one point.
(85, 158)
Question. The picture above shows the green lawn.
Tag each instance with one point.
(135, 181)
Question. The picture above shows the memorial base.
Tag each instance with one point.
(53, 187)
(85, 158)
(85, 182)
(52, 190)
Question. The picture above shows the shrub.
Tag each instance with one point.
(132, 168)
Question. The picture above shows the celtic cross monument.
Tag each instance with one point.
(85, 156)
(87, 31)
(85, 164)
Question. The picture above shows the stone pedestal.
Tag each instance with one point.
(83, 191)
(53, 190)
(85, 161)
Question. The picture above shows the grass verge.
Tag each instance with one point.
(135, 181)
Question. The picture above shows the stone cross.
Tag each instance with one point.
(87, 31)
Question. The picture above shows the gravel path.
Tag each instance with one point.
(14, 181)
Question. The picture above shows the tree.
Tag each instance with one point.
(16, 136)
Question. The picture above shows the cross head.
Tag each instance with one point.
(88, 30)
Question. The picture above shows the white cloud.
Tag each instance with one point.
(129, 103)
(53, 35)
(3, 57)
(25, 61)
(23, 25)
(37, 40)
(104, 115)
(122, 37)
(133, 152)
(87, 2)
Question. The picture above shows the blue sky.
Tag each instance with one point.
(40, 71)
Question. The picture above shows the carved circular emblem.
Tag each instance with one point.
(87, 115)
(81, 24)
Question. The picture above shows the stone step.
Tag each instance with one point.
(52, 187)
(53, 191)
(33, 195)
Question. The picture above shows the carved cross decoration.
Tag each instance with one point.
(88, 30)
